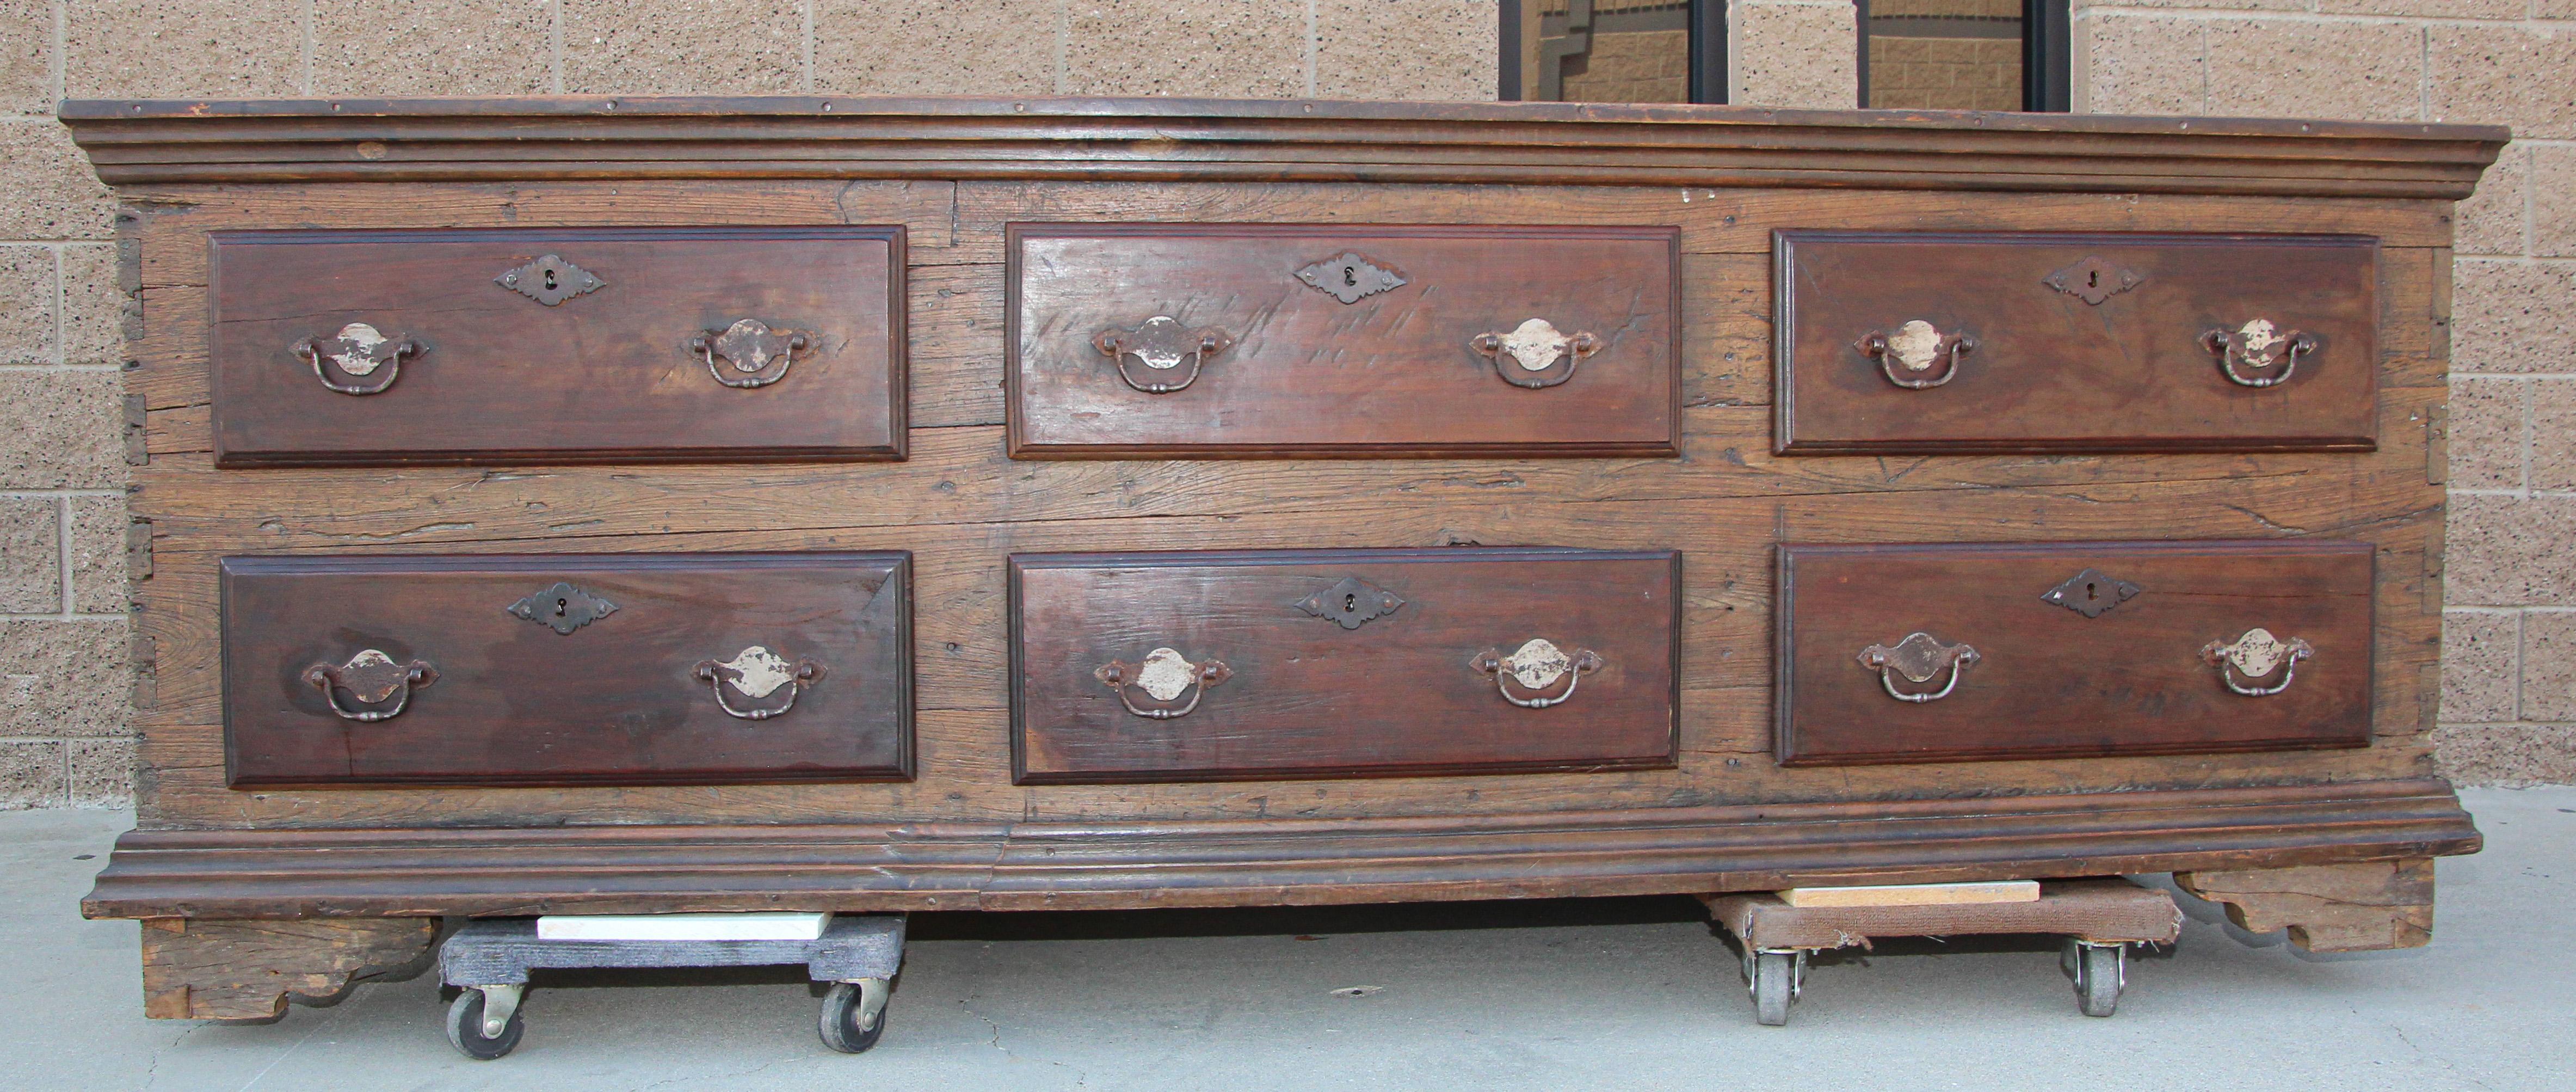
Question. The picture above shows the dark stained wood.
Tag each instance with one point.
(217, 969)
(517, 701)
(2051, 681)
(1303, 373)
(1176, 139)
(2051, 371)
(1309, 696)
(605, 376)
(2362, 906)
(1277, 861)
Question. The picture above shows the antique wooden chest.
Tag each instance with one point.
(585, 505)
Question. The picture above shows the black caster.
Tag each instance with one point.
(2099, 971)
(854, 1015)
(483, 1039)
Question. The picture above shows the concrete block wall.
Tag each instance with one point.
(2509, 629)
(65, 687)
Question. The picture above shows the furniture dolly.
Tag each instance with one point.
(2100, 919)
(490, 959)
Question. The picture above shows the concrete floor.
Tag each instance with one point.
(1625, 993)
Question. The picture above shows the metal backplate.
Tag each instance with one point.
(564, 607)
(1350, 278)
(2091, 592)
(2094, 280)
(550, 280)
(1352, 602)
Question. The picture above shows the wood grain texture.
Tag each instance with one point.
(2053, 370)
(1301, 372)
(2363, 906)
(1308, 697)
(2049, 680)
(616, 700)
(606, 375)
(198, 968)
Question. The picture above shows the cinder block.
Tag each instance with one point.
(2508, 755)
(2523, 76)
(2511, 551)
(683, 47)
(2429, 9)
(61, 430)
(2481, 659)
(2553, 201)
(52, 193)
(2137, 64)
(93, 307)
(28, 298)
(2268, 68)
(2491, 220)
(2549, 665)
(182, 48)
(98, 554)
(451, 47)
(31, 555)
(1793, 55)
(2489, 419)
(2553, 434)
(1416, 49)
(934, 47)
(64, 678)
(102, 772)
(1213, 48)
(31, 774)
(2511, 316)
(26, 56)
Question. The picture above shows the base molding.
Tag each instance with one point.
(213, 969)
(272, 873)
(2359, 907)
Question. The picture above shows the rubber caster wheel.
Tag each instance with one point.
(465, 1028)
(1773, 977)
(2099, 971)
(845, 1009)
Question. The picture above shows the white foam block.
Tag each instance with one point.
(1914, 894)
(759, 926)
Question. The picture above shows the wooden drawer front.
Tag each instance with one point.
(2040, 678)
(1340, 663)
(566, 669)
(802, 355)
(2075, 342)
(1246, 340)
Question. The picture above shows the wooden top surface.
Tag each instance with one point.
(188, 140)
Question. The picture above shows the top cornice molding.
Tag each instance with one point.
(164, 142)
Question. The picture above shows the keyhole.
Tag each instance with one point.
(1350, 276)
(2093, 279)
(562, 606)
(550, 280)
(1351, 604)
(2092, 592)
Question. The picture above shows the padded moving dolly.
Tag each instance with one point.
(2100, 919)
(491, 959)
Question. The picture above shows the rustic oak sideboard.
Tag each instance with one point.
(625, 505)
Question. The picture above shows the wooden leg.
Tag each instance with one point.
(2329, 908)
(207, 969)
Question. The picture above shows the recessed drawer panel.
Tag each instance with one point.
(1231, 340)
(1340, 663)
(570, 345)
(567, 669)
(1935, 653)
(1933, 342)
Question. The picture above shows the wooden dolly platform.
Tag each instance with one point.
(2100, 919)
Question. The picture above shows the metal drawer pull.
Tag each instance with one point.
(2259, 345)
(756, 673)
(1908, 356)
(1918, 657)
(371, 677)
(1537, 665)
(359, 351)
(754, 354)
(1163, 676)
(1160, 344)
(1534, 349)
(2255, 655)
